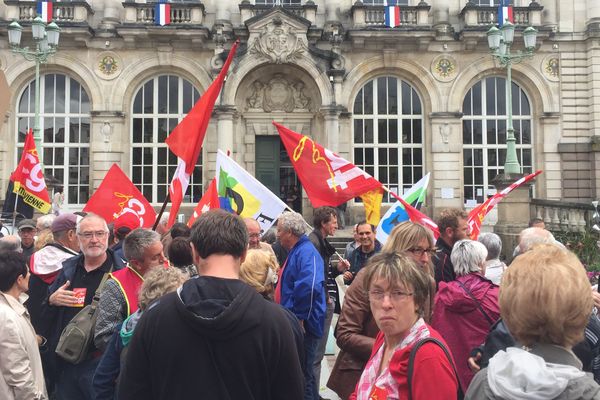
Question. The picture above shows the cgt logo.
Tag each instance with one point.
(33, 170)
(129, 204)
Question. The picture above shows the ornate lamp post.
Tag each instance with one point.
(46, 42)
(500, 42)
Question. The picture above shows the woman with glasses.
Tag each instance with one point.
(397, 291)
(356, 328)
(465, 309)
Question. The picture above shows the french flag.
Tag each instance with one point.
(44, 10)
(505, 13)
(392, 16)
(162, 14)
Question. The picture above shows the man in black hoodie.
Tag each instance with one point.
(216, 337)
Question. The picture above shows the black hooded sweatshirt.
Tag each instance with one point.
(212, 339)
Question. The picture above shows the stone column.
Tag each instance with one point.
(446, 160)
(513, 212)
(550, 130)
(225, 135)
(593, 12)
(332, 128)
(108, 143)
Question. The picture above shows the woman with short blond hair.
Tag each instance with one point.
(545, 303)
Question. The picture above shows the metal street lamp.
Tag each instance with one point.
(500, 42)
(46, 42)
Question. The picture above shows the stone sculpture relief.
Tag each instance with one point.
(277, 43)
(278, 94)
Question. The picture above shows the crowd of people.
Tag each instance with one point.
(92, 311)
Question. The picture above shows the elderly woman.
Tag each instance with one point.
(465, 309)
(21, 375)
(356, 328)
(544, 303)
(397, 291)
(494, 268)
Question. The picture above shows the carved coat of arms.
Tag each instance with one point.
(277, 43)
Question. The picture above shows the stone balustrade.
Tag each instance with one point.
(70, 12)
(307, 10)
(485, 16)
(374, 16)
(181, 13)
(562, 216)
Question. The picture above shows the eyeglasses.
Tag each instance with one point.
(394, 295)
(418, 251)
(89, 235)
(254, 235)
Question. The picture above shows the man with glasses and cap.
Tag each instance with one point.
(26, 229)
(73, 289)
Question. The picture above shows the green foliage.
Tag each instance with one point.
(584, 245)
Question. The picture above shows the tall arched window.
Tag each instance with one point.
(484, 134)
(65, 129)
(158, 106)
(388, 133)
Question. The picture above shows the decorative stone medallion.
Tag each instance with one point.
(278, 43)
(278, 94)
(444, 68)
(108, 65)
(551, 67)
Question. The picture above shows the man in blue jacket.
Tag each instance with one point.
(302, 290)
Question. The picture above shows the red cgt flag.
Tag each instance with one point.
(117, 195)
(185, 141)
(329, 180)
(209, 201)
(477, 214)
(28, 178)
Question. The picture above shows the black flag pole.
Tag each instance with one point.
(162, 210)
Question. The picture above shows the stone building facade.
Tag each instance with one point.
(399, 102)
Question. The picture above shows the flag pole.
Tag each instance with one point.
(162, 210)
(14, 221)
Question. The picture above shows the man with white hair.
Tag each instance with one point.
(11, 243)
(73, 289)
(531, 236)
(162, 228)
(301, 290)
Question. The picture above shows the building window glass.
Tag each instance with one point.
(158, 106)
(65, 130)
(386, 2)
(484, 135)
(488, 3)
(279, 2)
(388, 133)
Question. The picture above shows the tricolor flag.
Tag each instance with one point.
(477, 214)
(44, 10)
(28, 178)
(185, 141)
(117, 195)
(162, 14)
(241, 193)
(328, 179)
(415, 196)
(505, 13)
(392, 16)
(209, 201)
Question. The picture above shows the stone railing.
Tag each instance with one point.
(474, 15)
(562, 216)
(374, 16)
(181, 13)
(72, 11)
(307, 10)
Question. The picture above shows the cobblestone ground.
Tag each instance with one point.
(327, 365)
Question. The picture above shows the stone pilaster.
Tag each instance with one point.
(108, 143)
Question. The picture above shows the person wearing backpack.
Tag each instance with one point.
(73, 290)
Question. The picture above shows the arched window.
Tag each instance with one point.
(388, 133)
(65, 130)
(158, 106)
(484, 134)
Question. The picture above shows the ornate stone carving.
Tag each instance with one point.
(551, 68)
(278, 94)
(109, 65)
(278, 43)
(444, 68)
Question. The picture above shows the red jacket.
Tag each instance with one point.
(461, 322)
(130, 283)
(433, 375)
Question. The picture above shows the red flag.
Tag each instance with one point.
(28, 178)
(185, 141)
(477, 214)
(117, 195)
(329, 180)
(209, 201)
(417, 216)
